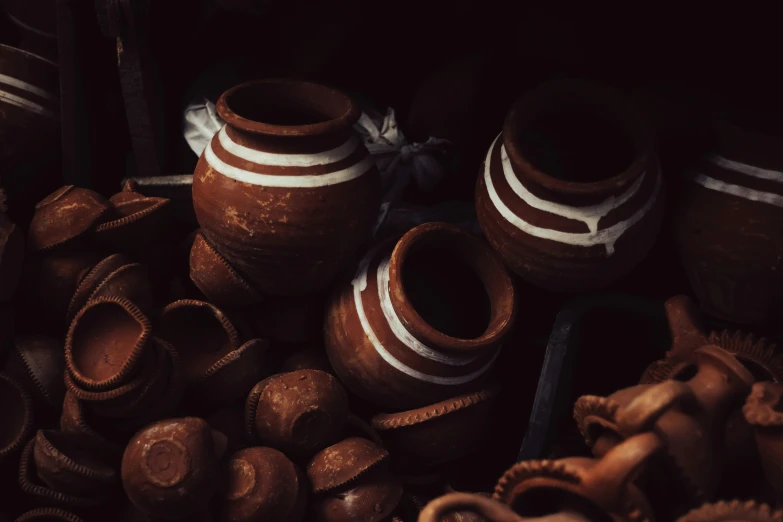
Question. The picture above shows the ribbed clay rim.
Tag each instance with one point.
(48, 513)
(349, 476)
(594, 406)
(152, 379)
(129, 365)
(32, 237)
(86, 429)
(251, 406)
(235, 355)
(761, 406)
(217, 313)
(27, 423)
(108, 226)
(41, 439)
(202, 243)
(34, 378)
(109, 277)
(757, 350)
(735, 510)
(349, 113)
(391, 421)
(103, 396)
(94, 277)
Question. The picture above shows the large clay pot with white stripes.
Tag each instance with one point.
(570, 193)
(285, 191)
(730, 227)
(422, 319)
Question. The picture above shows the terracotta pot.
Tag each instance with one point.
(341, 463)
(263, 486)
(442, 432)
(91, 280)
(403, 335)
(491, 510)
(67, 463)
(37, 361)
(285, 191)
(570, 192)
(76, 418)
(764, 412)
(130, 282)
(66, 215)
(11, 257)
(599, 488)
(16, 408)
(728, 223)
(134, 223)
(48, 515)
(730, 511)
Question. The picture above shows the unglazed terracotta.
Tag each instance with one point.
(16, 410)
(285, 191)
(685, 326)
(90, 281)
(343, 462)
(66, 462)
(764, 412)
(38, 362)
(77, 419)
(48, 515)
(731, 511)
(300, 412)
(442, 432)
(570, 193)
(135, 222)
(263, 486)
(65, 215)
(422, 320)
(11, 255)
(469, 506)
(728, 226)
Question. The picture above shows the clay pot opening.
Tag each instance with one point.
(449, 287)
(15, 412)
(543, 501)
(287, 108)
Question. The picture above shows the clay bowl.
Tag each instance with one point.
(16, 411)
(67, 214)
(340, 464)
(263, 485)
(91, 281)
(440, 433)
(77, 419)
(217, 279)
(48, 515)
(11, 256)
(105, 343)
(131, 282)
(67, 462)
(37, 362)
(299, 412)
(134, 222)
(730, 511)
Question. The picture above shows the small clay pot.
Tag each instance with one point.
(403, 335)
(16, 410)
(730, 511)
(342, 463)
(763, 410)
(90, 282)
(77, 419)
(48, 515)
(134, 223)
(106, 342)
(467, 507)
(371, 498)
(217, 279)
(440, 433)
(66, 462)
(299, 412)
(64, 216)
(11, 257)
(170, 468)
(263, 486)
(131, 282)
(37, 361)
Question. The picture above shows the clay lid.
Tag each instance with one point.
(48, 515)
(216, 278)
(76, 419)
(92, 280)
(105, 343)
(11, 257)
(764, 405)
(733, 511)
(129, 281)
(342, 463)
(16, 410)
(38, 362)
(67, 462)
(64, 215)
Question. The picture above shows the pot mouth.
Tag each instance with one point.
(463, 254)
(281, 107)
(600, 132)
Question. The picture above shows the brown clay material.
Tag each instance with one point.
(64, 216)
(730, 511)
(403, 335)
(685, 326)
(570, 194)
(66, 462)
(16, 410)
(216, 278)
(263, 486)
(443, 432)
(11, 256)
(91, 280)
(48, 515)
(763, 410)
(134, 223)
(105, 343)
(442, 510)
(370, 499)
(299, 412)
(38, 363)
(342, 463)
(76, 419)
(306, 359)
(169, 469)
(286, 192)
(131, 282)
(728, 220)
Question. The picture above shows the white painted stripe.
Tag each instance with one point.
(402, 333)
(19, 84)
(359, 283)
(13, 99)
(736, 190)
(273, 159)
(290, 181)
(607, 236)
(744, 168)
(589, 215)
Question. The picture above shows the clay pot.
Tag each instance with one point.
(403, 335)
(65, 215)
(764, 412)
(66, 462)
(465, 507)
(91, 280)
(728, 223)
(439, 433)
(132, 283)
(263, 486)
(105, 343)
(135, 222)
(343, 462)
(570, 193)
(729, 511)
(11, 257)
(48, 515)
(37, 361)
(170, 468)
(77, 419)
(598, 488)
(217, 279)
(16, 410)
(285, 191)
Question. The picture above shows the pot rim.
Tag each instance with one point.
(54, 448)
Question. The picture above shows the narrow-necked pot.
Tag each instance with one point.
(11, 256)
(422, 320)
(584, 222)
(37, 361)
(764, 412)
(17, 415)
(67, 462)
(286, 191)
(64, 216)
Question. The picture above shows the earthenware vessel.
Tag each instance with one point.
(38, 363)
(263, 486)
(299, 412)
(728, 222)
(170, 468)
(570, 192)
(11, 255)
(66, 462)
(285, 191)
(16, 408)
(439, 433)
(729, 511)
(403, 334)
(478, 508)
(76, 418)
(216, 278)
(134, 222)
(90, 281)
(131, 282)
(603, 486)
(764, 412)
(67, 214)
(48, 515)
